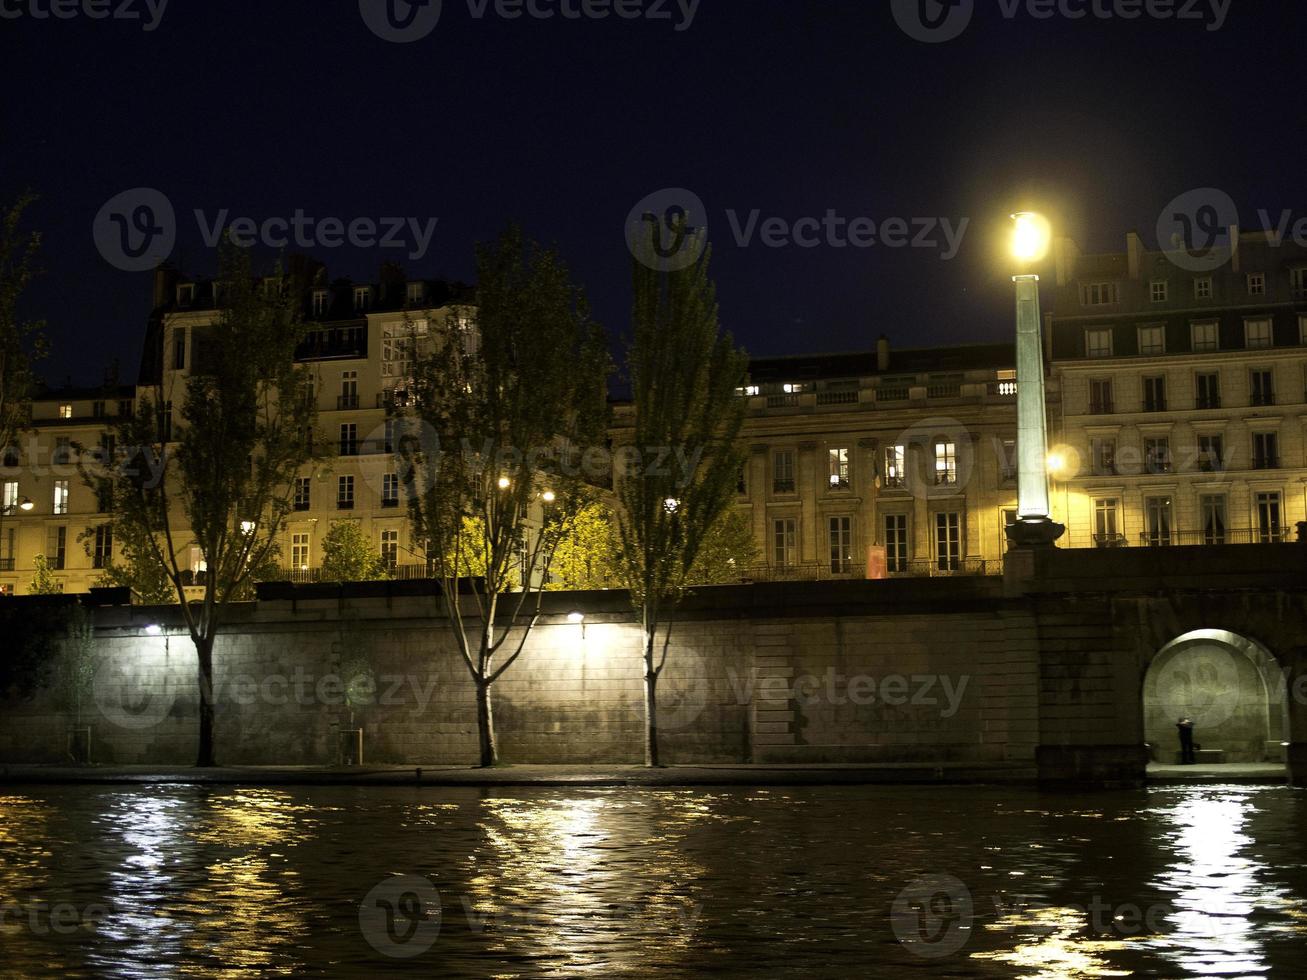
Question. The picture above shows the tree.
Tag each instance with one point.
(139, 569)
(585, 557)
(684, 375)
(490, 451)
(729, 550)
(348, 556)
(75, 673)
(43, 580)
(222, 479)
(21, 341)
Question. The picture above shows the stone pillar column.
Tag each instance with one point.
(809, 499)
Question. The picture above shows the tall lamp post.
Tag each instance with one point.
(1034, 527)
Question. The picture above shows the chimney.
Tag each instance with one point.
(882, 353)
(1134, 248)
(165, 285)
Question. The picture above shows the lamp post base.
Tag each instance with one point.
(1034, 532)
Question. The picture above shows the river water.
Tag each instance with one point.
(178, 881)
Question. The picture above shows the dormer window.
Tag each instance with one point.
(417, 293)
(362, 299)
(217, 293)
(319, 302)
(186, 294)
(65, 411)
(1098, 294)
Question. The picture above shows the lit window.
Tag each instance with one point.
(390, 548)
(1152, 340)
(362, 298)
(946, 464)
(61, 496)
(299, 552)
(1257, 333)
(1157, 290)
(65, 411)
(895, 466)
(1098, 342)
(1205, 336)
(1007, 382)
(1203, 288)
(390, 490)
(1256, 284)
(839, 469)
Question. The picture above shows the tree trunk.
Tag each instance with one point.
(650, 703)
(486, 725)
(204, 652)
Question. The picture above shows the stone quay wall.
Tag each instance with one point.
(892, 671)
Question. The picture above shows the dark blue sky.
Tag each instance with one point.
(790, 107)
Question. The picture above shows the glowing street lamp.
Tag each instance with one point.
(505, 483)
(1034, 527)
(548, 496)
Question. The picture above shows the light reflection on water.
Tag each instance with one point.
(186, 881)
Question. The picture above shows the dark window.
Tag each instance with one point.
(1208, 391)
(1155, 394)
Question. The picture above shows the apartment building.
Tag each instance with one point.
(887, 462)
(357, 350)
(1183, 414)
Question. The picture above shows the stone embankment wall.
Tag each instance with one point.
(931, 670)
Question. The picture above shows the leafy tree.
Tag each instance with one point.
(139, 568)
(348, 556)
(77, 664)
(729, 549)
(585, 557)
(222, 479)
(510, 400)
(43, 580)
(684, 374)
(21, 341)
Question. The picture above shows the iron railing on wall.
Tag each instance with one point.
(1240, 535)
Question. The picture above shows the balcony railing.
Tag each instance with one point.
(782, 486)
(6, 564)
(1102, 407)
(782, 401)
(1214, 536)
(944, 391)
(837, 397)
(821, 571)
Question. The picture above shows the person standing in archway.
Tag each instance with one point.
(1185, 727)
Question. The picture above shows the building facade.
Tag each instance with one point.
(1177, 404)
(1183, 413)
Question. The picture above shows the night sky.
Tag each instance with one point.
(791, 107)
